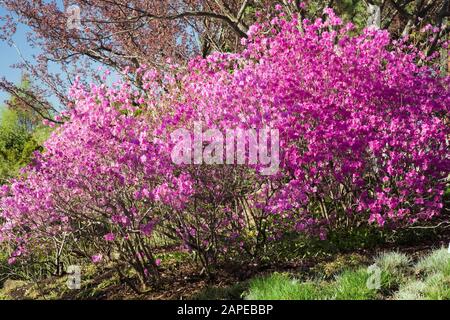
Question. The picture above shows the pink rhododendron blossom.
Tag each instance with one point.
(109, 236)
(97, 258)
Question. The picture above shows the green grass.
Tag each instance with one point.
(393, 262)
(395, 267)
(399, 280)
(280, 286)
(437, 261)
(434, 270)
(437, 287)
(352, 285)
(434, 287)
(347, 277)
(413, 290)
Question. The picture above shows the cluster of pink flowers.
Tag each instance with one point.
(363, 140)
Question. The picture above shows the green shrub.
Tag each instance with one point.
(351, 239)
(446, 199)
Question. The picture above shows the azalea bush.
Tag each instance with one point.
(363, 142)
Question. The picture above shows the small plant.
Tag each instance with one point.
(392, 262)
(437, 287)
(394, 266)
(434, 287)
(411, 291)
(435, 268)
(352, 285)
(437, 262)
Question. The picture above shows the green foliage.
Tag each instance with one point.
(354, 11)
(174, 258)
(294, 246)
(17, 142)
(12, 141)
(41, 133)
(347, 240)
(20, 135)
(446, 199)
(10, 287)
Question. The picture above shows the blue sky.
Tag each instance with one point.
(9, 55)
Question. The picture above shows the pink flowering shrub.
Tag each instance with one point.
(363, 131)
(93, 184)
(363, 141)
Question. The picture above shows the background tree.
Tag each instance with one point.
(116, 33)
(20, 134)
